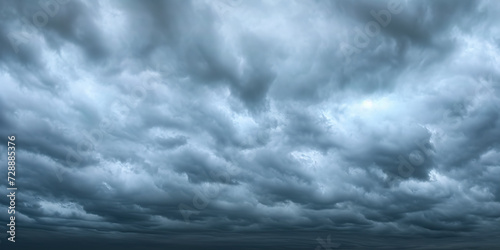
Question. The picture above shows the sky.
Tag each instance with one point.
(237, 124)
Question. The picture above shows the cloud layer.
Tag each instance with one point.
(190, 118)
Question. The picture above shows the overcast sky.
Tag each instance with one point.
(256, 124)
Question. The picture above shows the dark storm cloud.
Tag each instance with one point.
(134, 117)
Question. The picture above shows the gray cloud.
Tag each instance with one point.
(244, 123)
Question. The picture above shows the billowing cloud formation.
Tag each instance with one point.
(168, 122)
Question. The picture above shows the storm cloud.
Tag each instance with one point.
(252, 124)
